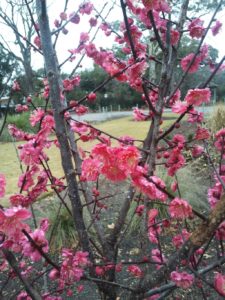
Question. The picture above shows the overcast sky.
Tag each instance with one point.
(71, 40)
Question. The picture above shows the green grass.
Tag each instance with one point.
(11, 168)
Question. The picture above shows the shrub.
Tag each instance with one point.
(21, 121)
(62, 224)
(216, 120)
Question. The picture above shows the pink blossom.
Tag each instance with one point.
(139, 210)
(18, 134)
(23, 296)
(202, 134)
(179, 140)
(30, 153)
(72, 265)
(148, 187)
(63, 16)
(116, 163)
(214, 194)
(195, 117)
(11, 222)
(126, 140)
(74, 18)
(20, 200)
(2, 185)
(159, 5)
(134, 73)
(100, 271)
(16, 86)
(84, 37)
(139, 115)
(180, 209)
(174, 186)
(182, 279)
(185, 62)
(174, 36)
(90, 169)
(219, 283)
(179, 239)
(80, 110)
(220, 140)
(197, 151)
(39, 239)
(135, 271)
(57, 23)
(216, 28)
(37, 42)
(65, 31)
(175, 98)
(86, 8)
(21, 108)
(81, 258)
(196, 28)
(44, 224)
(220, 233)
(153, 230)
(36, 116)
(158, 257)
(91, 97)
(175, 161)
(69, 84)
(198, 96)
(179, 107)
(93, 22)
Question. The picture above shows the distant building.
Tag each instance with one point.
(4, 104)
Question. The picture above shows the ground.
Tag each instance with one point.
(129, 248)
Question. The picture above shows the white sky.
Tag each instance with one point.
(71, 40)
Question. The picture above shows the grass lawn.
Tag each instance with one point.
(118, 127)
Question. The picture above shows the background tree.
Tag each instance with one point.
(17, 19)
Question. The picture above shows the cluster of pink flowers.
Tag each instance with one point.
(37, 42)
(150, 186)
(16, 86)
(185, 62)
(175, 158)
(69, 84)
(220, 141)
(179, 239)
(158, 257)
(198, 96)
(216, 28)
(219, 283)
(72, 267)
(153, 230)
(40, 240)
(18, 134)
(196, 28)
(215, 192)
(139, 115)
(197, 151)
(115, 163)
(36, 116)
(135, 271)
(175, 161)
(11, 223)
(180, 209)
(21, 108)
(159, 5)
(182, 279)
(220, 233)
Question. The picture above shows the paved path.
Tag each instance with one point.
(99, 117)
